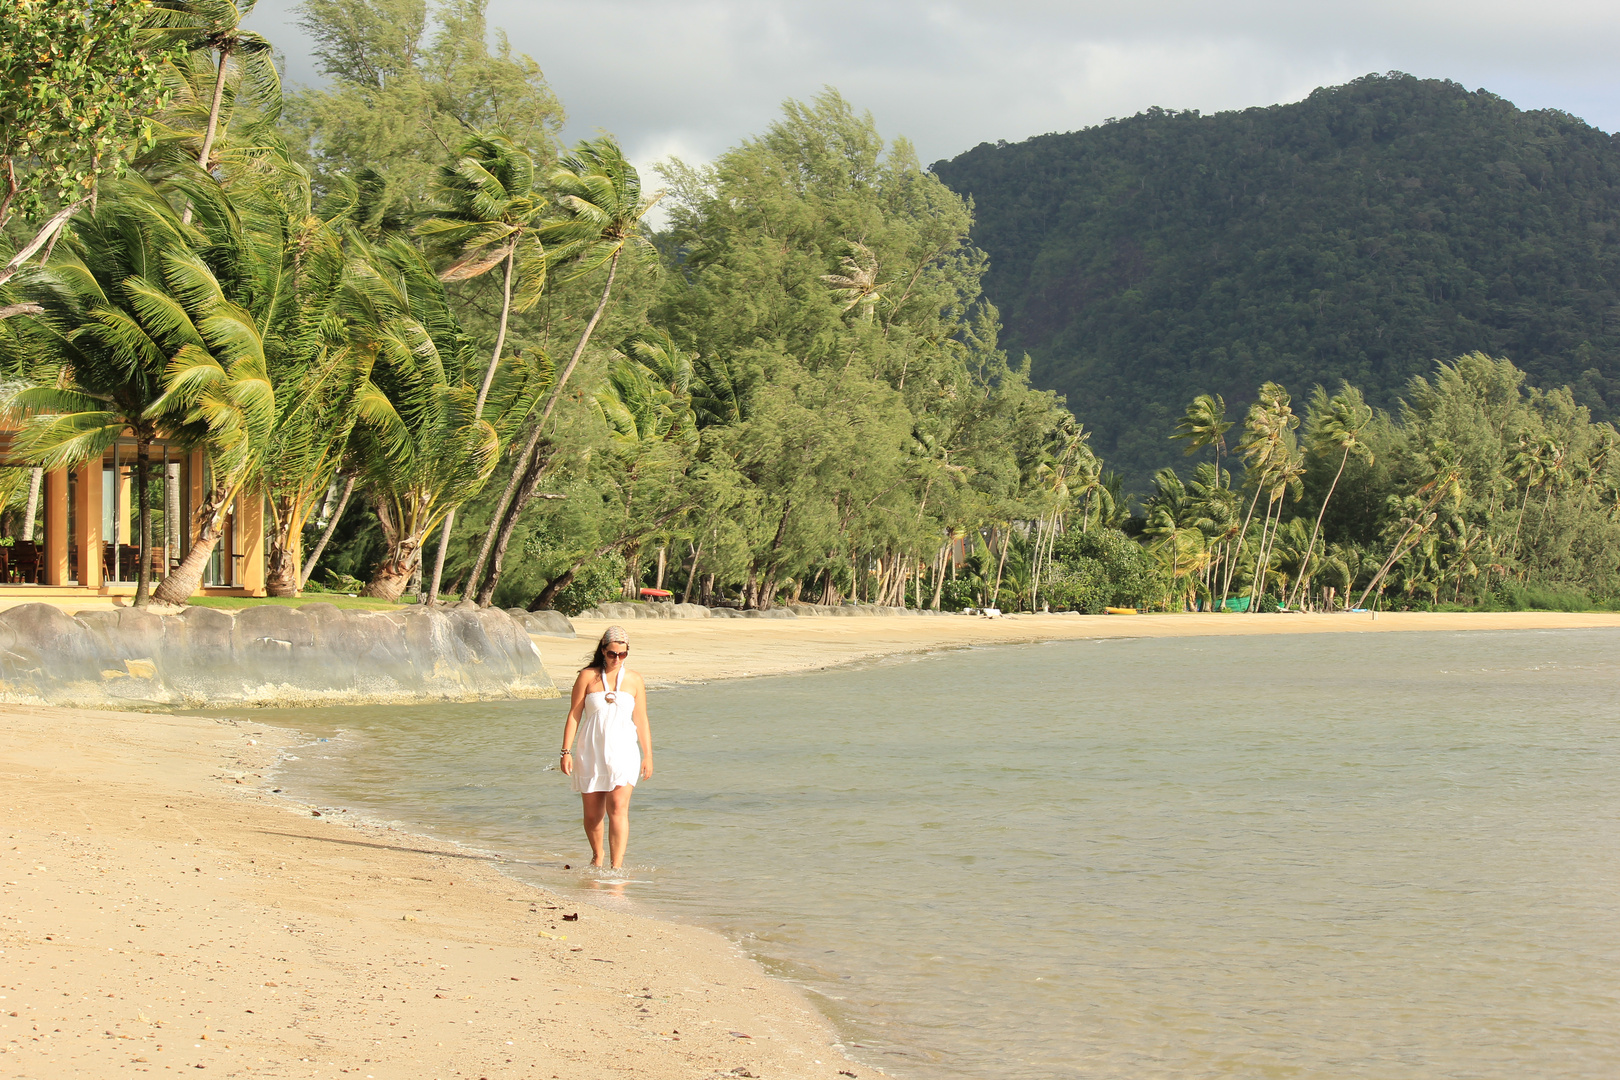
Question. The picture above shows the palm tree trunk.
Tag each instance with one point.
(519, 467)
(143, 500)
(507, 524)
(213, 124)
(35, 477)
(1311, 550)
(1237, 553)
(331, 526)
(692, 575)
(181, 583)
(995, 593)
(478, 410)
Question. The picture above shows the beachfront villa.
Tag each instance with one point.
(82, 542)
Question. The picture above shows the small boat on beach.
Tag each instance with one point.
(1119, 611)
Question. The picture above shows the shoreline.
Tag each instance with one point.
(167, 909)
(684, 652)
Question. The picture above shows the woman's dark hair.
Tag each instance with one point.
(609, 636)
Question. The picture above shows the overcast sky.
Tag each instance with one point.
(692, 77)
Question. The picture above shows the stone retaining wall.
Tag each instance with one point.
(316, 654)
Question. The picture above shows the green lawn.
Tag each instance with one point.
(342, 600)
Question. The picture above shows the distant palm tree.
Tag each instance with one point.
(1340, 424)
(1205, 424)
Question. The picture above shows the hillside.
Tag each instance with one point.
(1358, 234)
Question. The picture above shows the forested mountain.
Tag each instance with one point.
(1360, 234)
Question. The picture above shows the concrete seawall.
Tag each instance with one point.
(316, 654)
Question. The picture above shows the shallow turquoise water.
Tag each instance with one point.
(1384, 856)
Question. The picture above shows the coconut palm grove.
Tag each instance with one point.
(390, 336)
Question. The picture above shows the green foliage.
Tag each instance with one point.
(1109, 569)
(1356, 235)
(78, 86)
(405, 84)
(598, 581)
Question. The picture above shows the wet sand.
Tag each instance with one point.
(162, 912)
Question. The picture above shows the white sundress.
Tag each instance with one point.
(606, 752)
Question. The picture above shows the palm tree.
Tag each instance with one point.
(110, 319)
(1266, 446)
(489, 205)
(1445, 480)
(1205, 424)
(424, 444)
(215, 26)
(1336, 423)
(599, 194)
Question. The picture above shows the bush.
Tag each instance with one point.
(1110, 564)
(1513, 596)
(598, 581)
(1079, 584)
(960, 594)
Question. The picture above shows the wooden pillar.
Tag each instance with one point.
(87, 521)
(250, 542)
(54, 571)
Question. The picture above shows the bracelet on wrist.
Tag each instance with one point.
(565, 752)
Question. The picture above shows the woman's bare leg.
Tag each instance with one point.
(596, 806)
(618, 812)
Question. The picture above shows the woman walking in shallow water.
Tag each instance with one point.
(607, 742)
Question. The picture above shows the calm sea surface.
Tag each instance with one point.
(1387, 856)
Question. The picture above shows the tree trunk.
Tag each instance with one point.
(404, 555)
(213, 124)
(995, 593)
(708, 590)
(182, 582)
(331, 526)
(692, 574)
(632, 571)
(1311, 550)
(438, 559)
(939, 576)
(663, 564)
(35, 477)
(529, 482)
(143, 500)
(474, 579)
(389, 582)
(281, 571)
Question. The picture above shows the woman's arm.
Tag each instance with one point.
(576, 703)
(643, 729)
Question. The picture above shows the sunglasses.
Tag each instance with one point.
(618, 655)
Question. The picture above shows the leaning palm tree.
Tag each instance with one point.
(112, 314)
(424, 444)
(1445, 481)
(214, 28)
(1333, 424)
(599, 194)
(489, 207)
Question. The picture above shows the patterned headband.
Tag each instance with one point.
(615, 635)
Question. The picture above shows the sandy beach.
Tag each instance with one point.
(679, 651)
(164, 910)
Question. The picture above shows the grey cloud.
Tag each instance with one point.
(696, 76)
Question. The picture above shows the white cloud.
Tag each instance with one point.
(696, 76)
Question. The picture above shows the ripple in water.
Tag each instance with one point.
(1388, 856)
